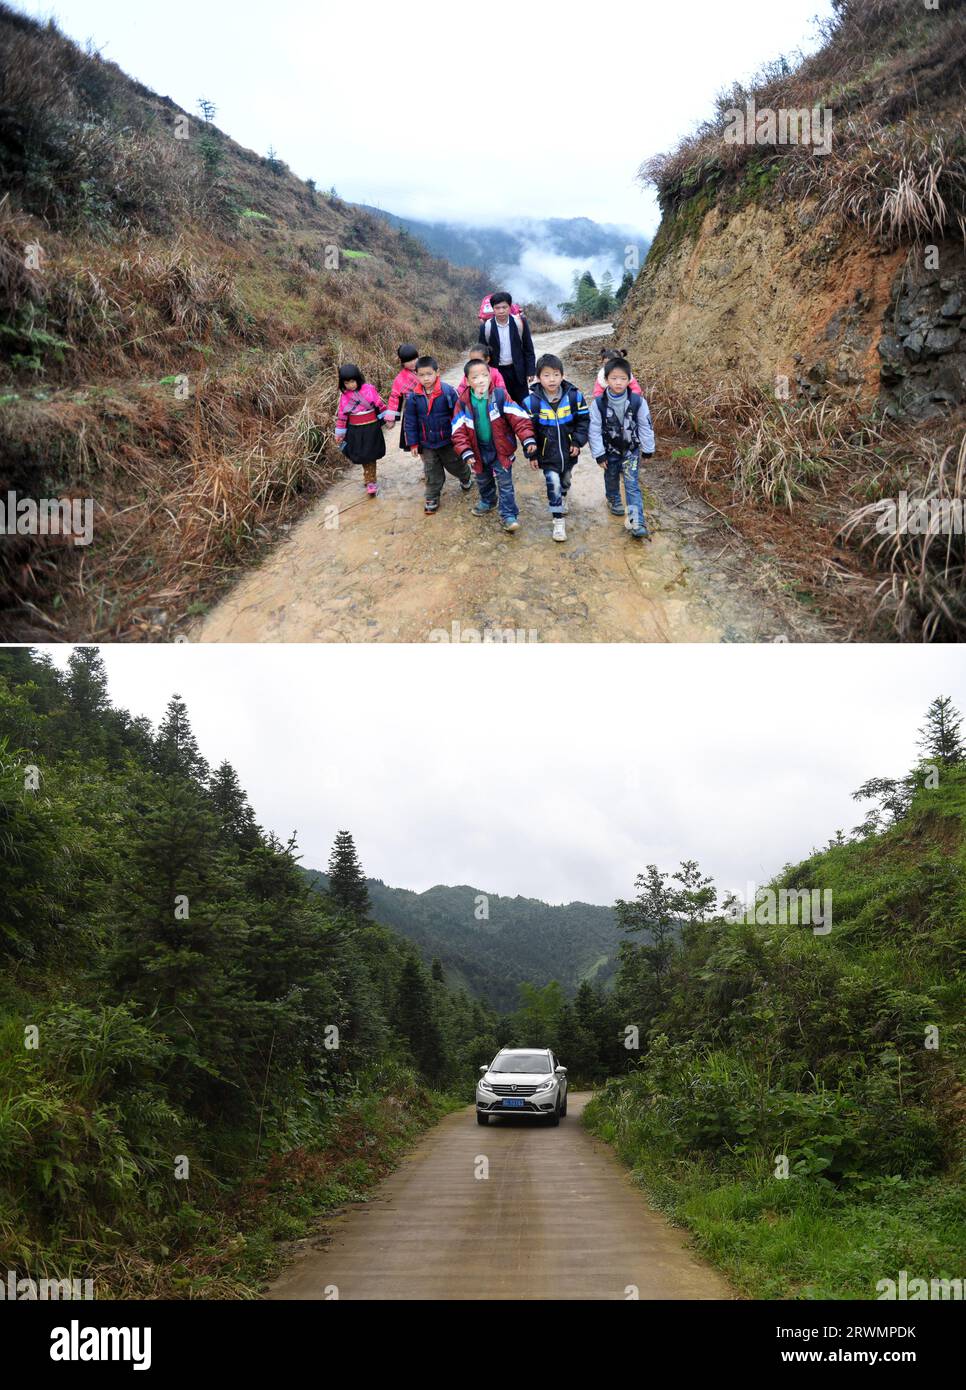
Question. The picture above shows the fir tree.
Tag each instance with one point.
(939, 737)
(176, 752)
(347, 882)
(86, 685)
(232, 808)
(416, 1021)
(625, 287)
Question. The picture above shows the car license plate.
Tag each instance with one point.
(512, 1103)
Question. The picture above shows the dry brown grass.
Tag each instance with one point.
(149, 275)
(924, 593)
(183, 491)
(892, 75)
(806, 481)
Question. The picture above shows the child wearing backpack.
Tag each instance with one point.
(486, 427)
(482, 352)
(358, 423)
(561, 422)
(606, 355)
(621, 435)
(507, 334)
(405, 382)
(429, 428)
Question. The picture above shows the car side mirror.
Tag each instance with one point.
(483, 1071)
(560, 1071)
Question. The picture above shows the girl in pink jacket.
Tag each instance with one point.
(405, 382)
(359, 423)
(482, 352)
(607, 354)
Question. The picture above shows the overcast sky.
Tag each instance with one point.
(523, 770)
(388, 102)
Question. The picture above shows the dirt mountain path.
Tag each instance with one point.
(381, 571)
(556, 1217)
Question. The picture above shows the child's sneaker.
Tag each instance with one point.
(559, 529)
(467, 486)
(513, 525)
(372, 489)
(617, 508)
(482, 508)
(641, 533)
(431, 505)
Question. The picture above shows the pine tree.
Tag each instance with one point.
(416, 1020)
(939, 737)
(575, 1045)
(625, 286)
(86, 685)
(232, 808)
(436, 970)
(176, 752)
(606, 300)
(347, 882)
(175, 946)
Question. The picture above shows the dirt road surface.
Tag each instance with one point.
(361, 570)
(556, 1218)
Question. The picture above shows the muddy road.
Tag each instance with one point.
(361, 570)
(556, 1217)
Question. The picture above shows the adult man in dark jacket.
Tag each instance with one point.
(512, 343)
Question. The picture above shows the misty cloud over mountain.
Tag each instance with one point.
(535, 259)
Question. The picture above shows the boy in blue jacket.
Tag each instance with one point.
(429, 427)
(561, 422)
(621, 434)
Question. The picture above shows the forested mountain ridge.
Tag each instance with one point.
(490, 944)
(198, 1053)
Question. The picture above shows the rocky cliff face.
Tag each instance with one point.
(777, 292)
(767, 292)
(839, 266)
(923, 347)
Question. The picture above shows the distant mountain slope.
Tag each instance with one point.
(536, 257)
(522, 939)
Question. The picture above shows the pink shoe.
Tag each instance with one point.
(372, 489)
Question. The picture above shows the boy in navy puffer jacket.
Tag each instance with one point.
(429, 430)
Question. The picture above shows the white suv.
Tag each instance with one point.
(522, 1081)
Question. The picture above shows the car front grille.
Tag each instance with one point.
(514, 1090)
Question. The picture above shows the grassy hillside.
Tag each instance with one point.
(522, 940)
(172, 313)
(841, 1054)
(801, 316)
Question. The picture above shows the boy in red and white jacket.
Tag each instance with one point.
(486, 427)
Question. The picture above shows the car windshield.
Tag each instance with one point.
(522, 1061)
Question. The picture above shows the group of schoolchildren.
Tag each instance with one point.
(507, 396)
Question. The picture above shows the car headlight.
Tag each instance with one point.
(547, 1083)
(484, 1085)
